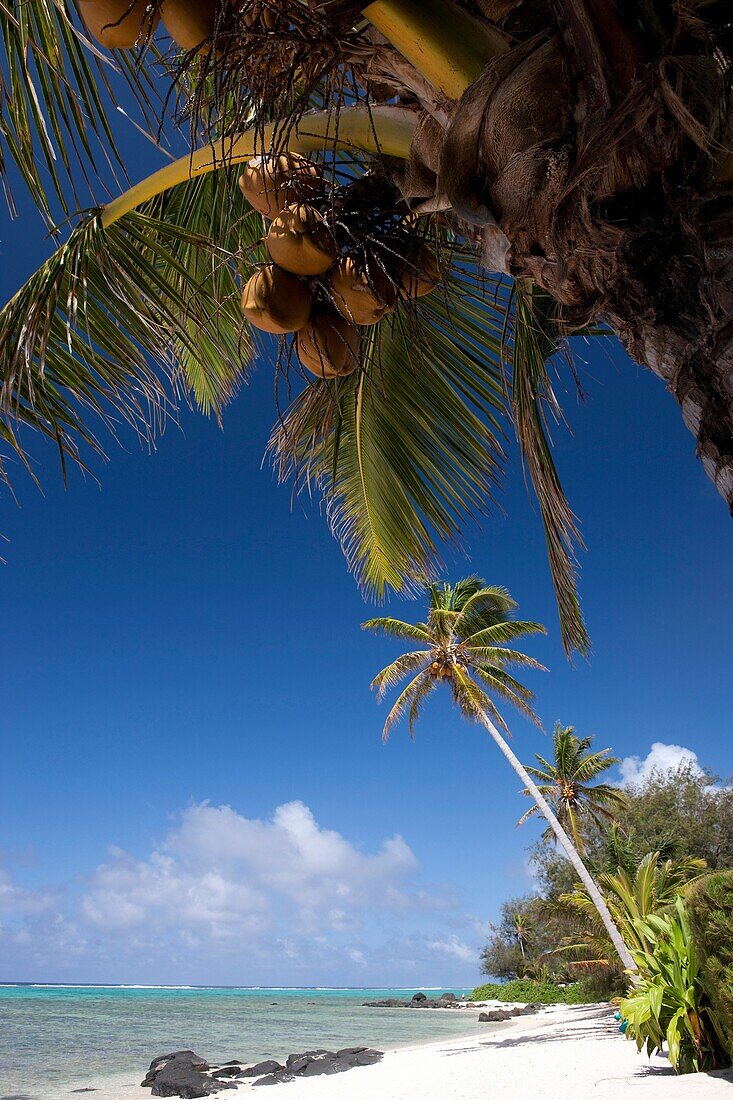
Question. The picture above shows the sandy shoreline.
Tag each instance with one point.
(564, 1051)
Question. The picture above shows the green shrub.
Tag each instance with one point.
(709, 905)
(670, 1002)
(527, 989)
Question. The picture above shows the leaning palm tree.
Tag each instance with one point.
(465, 645)
(568, 785)
(611, 212)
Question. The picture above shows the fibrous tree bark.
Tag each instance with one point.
(593, 154)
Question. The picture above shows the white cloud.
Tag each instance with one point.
(455, 947)
(17, 902)
(229, 874)
(224, 897)
(661, 757)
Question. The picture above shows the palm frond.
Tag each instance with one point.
(398, 670)
(54, 97)
(404, 700)
(395, 628)
(511, 690)
(404, 450)
(500, 655)
(536, 338)
(425, 688)
(484, 607)
(81, 334)
(502, 632)
(472, 701)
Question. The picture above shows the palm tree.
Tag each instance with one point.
(623, 173)
(568, 785)
(521, 931)
(465, 645)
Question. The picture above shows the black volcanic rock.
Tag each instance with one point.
(182, 1056)
(268, 1066)
(448, 997)
(418, 998)
(274, 1079)
(182, 1074)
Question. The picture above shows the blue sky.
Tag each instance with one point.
(194, 787)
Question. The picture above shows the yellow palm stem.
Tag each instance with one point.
(443, 42)
(387, 130)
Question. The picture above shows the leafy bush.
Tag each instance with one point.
(670, 1002)
(709, 905)
(527, 989)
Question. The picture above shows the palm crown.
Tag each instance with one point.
(465, 645)
(567, 784)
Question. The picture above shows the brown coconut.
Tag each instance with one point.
(360, 294)
(190, 23)
(276, 301)
(329, 345)
(117, 24)
(420, 273)
(269, 184)
(300, 241)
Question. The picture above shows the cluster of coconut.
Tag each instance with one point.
(123, 24)
(311, 287)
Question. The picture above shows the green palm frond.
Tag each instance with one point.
(536, 339)
(404, 700)
(391, 675)
(483, 608)
(472, 701)
(406, 448)
(54, 97)
(80, 336)
(510, 689)
(502, 632)
(395, 628)
(499, 655)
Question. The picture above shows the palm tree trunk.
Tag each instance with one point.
(565, 842)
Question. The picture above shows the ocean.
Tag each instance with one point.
(57, 1038)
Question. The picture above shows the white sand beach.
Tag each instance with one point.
(565, 1051)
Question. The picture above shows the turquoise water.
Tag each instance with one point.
(55, 1038)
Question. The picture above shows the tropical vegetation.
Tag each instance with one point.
(674, 914)
(464, 644)
(611, 212)
(531, 990)
(671, 1002)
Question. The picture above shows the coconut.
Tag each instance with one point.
(420, 273)
(300, 241)
(189, 22)
(361, 294)
(276, 301)
(272, 183)
(329, 345)
(118, 24)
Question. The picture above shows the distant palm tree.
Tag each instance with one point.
(521, 931)
(568, 785)
(465, 645)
